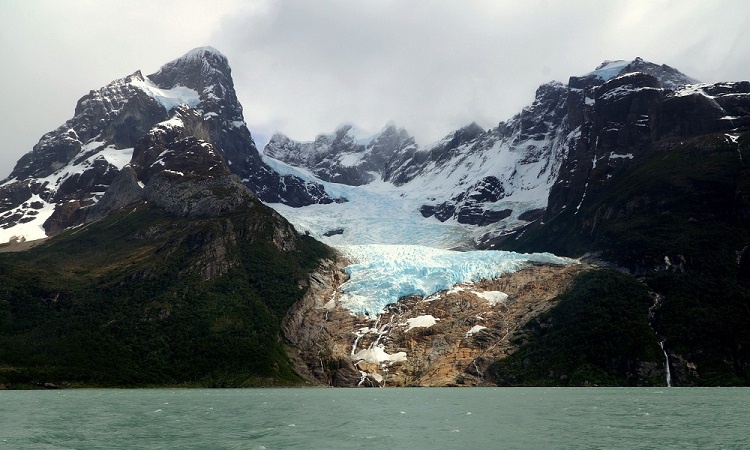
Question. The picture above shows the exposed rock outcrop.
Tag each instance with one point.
(70, 169)
(448, 339)
(346, 156)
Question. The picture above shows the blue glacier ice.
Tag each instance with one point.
(609, 69)
(393, 250)
(381, 274)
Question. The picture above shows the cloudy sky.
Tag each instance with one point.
(304, 67)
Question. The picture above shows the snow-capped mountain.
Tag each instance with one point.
(623, 116)
(531, 166)
(669, 77)
(55, 185)
(633, 162)
(347, 155)
(633, 165)
(471, 176)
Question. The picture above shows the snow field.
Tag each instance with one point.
(168, 98)
(33, 228)
(393, 250)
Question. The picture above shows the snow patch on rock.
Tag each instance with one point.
(168, 98)
(425, 321)
(492, 297)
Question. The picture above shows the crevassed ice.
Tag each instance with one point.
(382, 274)
(393, 250)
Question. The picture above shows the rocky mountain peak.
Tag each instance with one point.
(191, 99)
(199, 67)
(668, 77)
(349, 155)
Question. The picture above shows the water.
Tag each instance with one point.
(606, 418)
(667, 371)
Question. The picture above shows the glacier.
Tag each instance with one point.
(609, 69)
(381, 274)
(375, 213)
(392, 250)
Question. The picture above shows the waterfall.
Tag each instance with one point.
(479, 372)
(651, 314)
(666, 363)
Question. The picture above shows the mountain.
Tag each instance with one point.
(346, 156)
(55, 186)
(633, 167)
(659, 188)
(177, 274)
(166, 268)
(474, 176)
(471, 176)
(186, 286)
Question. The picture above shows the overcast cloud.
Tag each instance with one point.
(304, 67)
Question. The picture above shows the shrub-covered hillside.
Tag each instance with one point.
(146, 298)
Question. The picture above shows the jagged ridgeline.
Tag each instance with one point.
(174, 272)
(54, 186)
(633, 165)
(165, 267)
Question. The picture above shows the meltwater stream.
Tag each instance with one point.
(666, 363)
(651, 317)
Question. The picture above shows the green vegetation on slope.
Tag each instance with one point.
(598, 334)
(689, 202)
(124, 302)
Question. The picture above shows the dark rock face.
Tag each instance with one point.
(344, 156)
(333, 232)
(669, 77)
(630, 113)
(119, 114)
(124, 190)
(703, 109)
(209, 197)
(72, 167)
(208, 72)
(178, 172)
(409, 165)
(468, 207)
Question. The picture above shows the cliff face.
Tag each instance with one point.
(448, 339)
(660, 188)
(58, 183)
(177, 274)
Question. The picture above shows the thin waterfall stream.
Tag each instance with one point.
(662, 340)
(666, 363)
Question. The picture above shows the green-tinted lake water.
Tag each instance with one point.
(502, 418)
